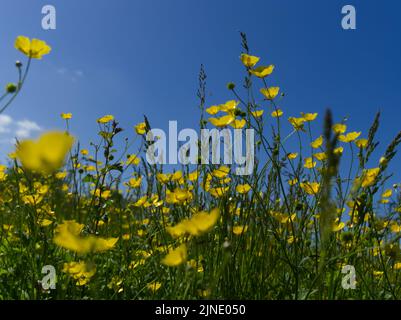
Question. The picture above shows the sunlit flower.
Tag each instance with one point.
(257, 113)
(106, 119)
(339, 128)
(317, 143)
(277, 113)
(154, 286)
(238, 230)
(248, 60)
(34, 48)
(66, 116)
(46, 154)
(311, 188)
(81, 271)
(222, 121)
(243, 188)
(297, 123)
(349, 137)
(262, 71)
(68, 236)
(309, 163)
(140, 128)
(176, 256)
(213, 110)
(270, 93)
(361, 143)
(292, 155)
(309, 116)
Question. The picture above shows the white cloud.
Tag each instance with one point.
(11, 129)
(5, 121)
(25, 128)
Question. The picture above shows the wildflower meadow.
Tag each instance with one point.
(117, 221)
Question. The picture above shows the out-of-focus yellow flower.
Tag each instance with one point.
(105, 119)
(66, 116)
(277, 113)
(178, 196)
(311, 188)
(292, 155)
(176, 256)
(309, 163)
(293, 181)
(135, 182)
(193, 176)
(213, 110)
(317, 143)
(339, 128)
(238, 124)
(84, 152)
(218, 191)
(270, 93)
(80, 271)
(248, 60)
(309, 116)
(262, 71)
(369, 177)
(133, 159)
(61, 175)
(198, 224)
(338, 226)
(320, 156)
(349, 137)
(68, 237)
(338, 150)
(46, 154)
(257, 113)
(34, 48)
(154, 286)
(222, 121)
(243, 188)
(221, 172)
(297, 123)
(238, 230)
(361, 143)
(387, 194)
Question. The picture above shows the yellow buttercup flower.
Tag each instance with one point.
(68, 237)
(309, 116)
(221, 172)
(222, 121)
(248, 60)
(297, 123)
(80, 271)
(362, 143)
(262, 71)
(339, 128)
(34, 48)
(309, 163)
(349, 137)
(270, 93)
(238, 230)
(369, 177)
(154, 286)
(46, 154)
(387, 194)
(140, 128)
(238, 124)
(277, 113)
(320, 156)
(257, 113)
(243, 188)
(311, 188)
(213, 110)
(105, 119)
(292, 155)
(176, 256)
(198, 224)
(66, 116)
(317, 143)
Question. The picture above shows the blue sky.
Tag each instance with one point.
(132, 57)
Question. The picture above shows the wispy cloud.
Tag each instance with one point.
(11, 129)
(73, 75)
